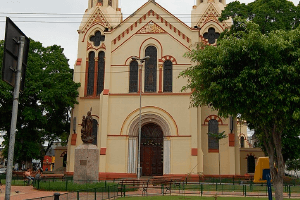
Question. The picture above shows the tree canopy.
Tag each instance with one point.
(255, 75)
(268, 14)
(44, 105)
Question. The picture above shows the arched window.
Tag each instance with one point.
(151, 69)
(251, 164)
(91, 74)
(242, 142)
(65, 160)
(101, 70)
(100, 1)
(168, 65)
(92, 3)
(213, 127)
(133, 76)
(109, 2)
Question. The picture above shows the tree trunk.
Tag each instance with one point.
(278, 186)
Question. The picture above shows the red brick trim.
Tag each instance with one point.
(194, 152)
(112, 176)
(73, 139)
(213, 150)
(103, 151)
(105, 91)
(160, 81)
(78, 62)
(231, 139)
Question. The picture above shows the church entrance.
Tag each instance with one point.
(152, 150)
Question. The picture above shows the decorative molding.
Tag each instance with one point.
(213, 117)
(97, 18)
(151, 28)
(78, 61)
(103, 151)
(194, 152)
(73, 139)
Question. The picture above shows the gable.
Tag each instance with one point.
(97, 18)
(152, 23)
(211, 15)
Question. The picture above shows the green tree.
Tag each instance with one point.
(255, 75)
(44, 106)
(268, 14)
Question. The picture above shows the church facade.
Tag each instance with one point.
(174, 139)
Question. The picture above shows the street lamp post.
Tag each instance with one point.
(140, 113)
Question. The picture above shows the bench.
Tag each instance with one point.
(132, 184)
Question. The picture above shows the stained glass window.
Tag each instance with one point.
(109, 2)
(101, 70)
(100, 1)
(168, 76)
(151, 69)
(91, 74)
(133, 76)
(213, 127)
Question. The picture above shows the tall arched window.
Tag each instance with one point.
(133, 76)
(213, 127)
(242, 142)
(92, 3)
(251, 164)
(91, 74)
(101, 71)
(109, 2)
(168, 65)
(151, 69)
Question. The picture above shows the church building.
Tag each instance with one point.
(174, 139)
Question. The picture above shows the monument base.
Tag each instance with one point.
(86, 167)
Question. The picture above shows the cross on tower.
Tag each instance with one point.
(97, 38)
(211, 35)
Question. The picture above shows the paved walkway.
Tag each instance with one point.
(24, 192)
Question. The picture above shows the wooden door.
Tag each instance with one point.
(152, 150)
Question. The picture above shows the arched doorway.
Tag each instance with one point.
(152, 153)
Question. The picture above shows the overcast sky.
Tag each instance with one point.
(61, 28)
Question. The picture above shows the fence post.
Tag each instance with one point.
(201, 190)
(78, 195)
(108, 192)
(56, 196)
(216, 186)
(66, 184)
(289, 191)
(95, 193)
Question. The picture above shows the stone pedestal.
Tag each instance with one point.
(86, 163)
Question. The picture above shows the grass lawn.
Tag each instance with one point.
(192, 198)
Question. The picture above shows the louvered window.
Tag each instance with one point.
(133, 76)
(168, 76)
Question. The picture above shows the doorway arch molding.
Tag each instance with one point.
(150, 114)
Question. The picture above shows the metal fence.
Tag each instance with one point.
(110, 192)
(182, 188)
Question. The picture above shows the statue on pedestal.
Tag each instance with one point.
(87, 128)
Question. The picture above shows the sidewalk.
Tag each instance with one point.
(24, 192)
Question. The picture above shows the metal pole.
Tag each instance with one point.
(14, 120)
(140, 125)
